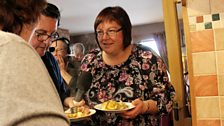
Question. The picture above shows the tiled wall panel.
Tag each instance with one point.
(206, 25)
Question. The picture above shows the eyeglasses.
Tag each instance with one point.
(41, 36)
(110, 33)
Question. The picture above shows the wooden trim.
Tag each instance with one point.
(174, 55)
(190, 64)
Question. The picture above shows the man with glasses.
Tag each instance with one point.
(44, 33)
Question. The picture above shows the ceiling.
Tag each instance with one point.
(78, 16)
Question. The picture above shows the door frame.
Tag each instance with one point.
(175, 58)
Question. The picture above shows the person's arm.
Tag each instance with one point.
(161, 92)
(66, 76)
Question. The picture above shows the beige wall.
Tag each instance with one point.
(206, 23)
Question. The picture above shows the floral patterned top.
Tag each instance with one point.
(143, 75)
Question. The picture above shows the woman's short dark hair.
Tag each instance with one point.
(15, 13)
(118, 15)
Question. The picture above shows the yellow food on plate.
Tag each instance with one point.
(78, 112)
(113, 105)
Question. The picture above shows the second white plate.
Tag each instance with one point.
(130, 106)
(92, 111)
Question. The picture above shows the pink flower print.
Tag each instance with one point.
(123, 77)
(142, 87)
(112, 90)
(90, 57)
(129, 81)
(162, 95)
(103, 80)
(101, 95)
(153, 68)
(83, 67)
(147, 54)
(97, 85)
(165, 79)
(101, 64)
(156, 90)
(145, 77)
(109, 85)
(145, 66)
(134, 63)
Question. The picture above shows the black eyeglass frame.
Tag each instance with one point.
(110, 33)
(41, 36)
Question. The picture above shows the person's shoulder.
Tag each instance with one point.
(142, 49)
(14, 43)
(92, 54)
(95, 51)
(7, 37)
(49, 57)
(47, 53)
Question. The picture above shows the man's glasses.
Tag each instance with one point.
(41, 36)
(110, 33)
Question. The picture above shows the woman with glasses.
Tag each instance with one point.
(126, 72)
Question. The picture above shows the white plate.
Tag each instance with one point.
(92, 111)
(130, 106)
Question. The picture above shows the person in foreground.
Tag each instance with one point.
(44, 33)
(27, 94)
(125, 72)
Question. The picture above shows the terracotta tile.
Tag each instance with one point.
(198, 7)
(220, 62)
(206, 85)
(202, 41)
(219, 39)
(208, 123)
(221, 84)
(217, 6)
(204, 63)
(222, 107)
(199, 19)
(207, 107)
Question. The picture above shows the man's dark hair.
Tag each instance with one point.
(52, 11)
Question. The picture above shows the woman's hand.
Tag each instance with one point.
(61, 63)
(69, 102)
(139, 109)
